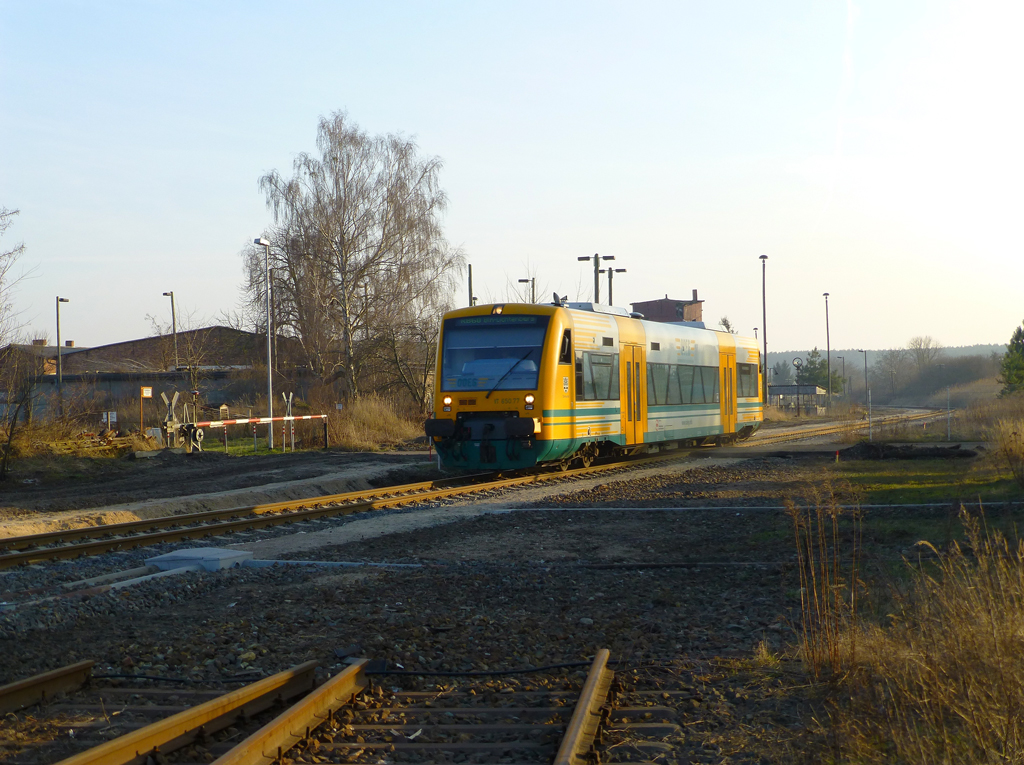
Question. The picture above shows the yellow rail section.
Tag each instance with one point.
(577, 745)
(270, 742)
(185, 727)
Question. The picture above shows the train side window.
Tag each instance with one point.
(698, 387)
(565, 353)
(673, 385)
(651, 398)
(686, 384)
(710, 384)
(660, 374)
(613, 391)
(601, 372)
(579, 376)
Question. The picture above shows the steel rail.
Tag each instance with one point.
(316, 507)
(181, 729)
(578, 742)
(827, 430)
(270, 742)
(168, 521)
(42, 687)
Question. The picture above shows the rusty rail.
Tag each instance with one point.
(185, 727)
(578, 743)
(43, 687)
(270, 742)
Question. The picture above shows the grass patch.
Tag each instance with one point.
(927, 481)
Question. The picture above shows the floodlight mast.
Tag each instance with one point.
(597, 272)
(174, 328)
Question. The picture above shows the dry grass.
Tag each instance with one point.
(827, 560)
(370, 423)
(943, 680)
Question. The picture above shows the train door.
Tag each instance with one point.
(633, 393)
(727, 389)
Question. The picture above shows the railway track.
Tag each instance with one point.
(551, 718)
(96, 540)
(765, 438)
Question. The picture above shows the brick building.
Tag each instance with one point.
(669, 309)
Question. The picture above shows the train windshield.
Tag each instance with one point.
(500, 352)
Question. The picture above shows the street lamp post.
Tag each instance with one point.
(828, 354)
(532, 281)
(764, 332)
(174, 328)
(843, 359)
(597, 272)
(60, 369)
(270, 369)
(611, 272)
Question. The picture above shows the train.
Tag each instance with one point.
(521, 385)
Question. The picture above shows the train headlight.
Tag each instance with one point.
(447, 401)
(529, 400)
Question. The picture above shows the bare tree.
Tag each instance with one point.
(7, 278)
(925, 351)
(726, 325)
(357, 240)
(18, 372)
(893, 368)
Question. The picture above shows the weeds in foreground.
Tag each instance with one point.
(1010, 437)
(827, 562)
(943, 681)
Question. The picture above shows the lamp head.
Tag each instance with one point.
(261, 241)
(524, 281)
(169, 294)
(584, 258)
(763, 258)
(63, 300)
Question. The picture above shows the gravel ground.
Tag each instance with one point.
(508, 588)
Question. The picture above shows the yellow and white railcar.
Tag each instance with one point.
(518, 385)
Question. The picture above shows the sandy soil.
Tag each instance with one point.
(116, 491)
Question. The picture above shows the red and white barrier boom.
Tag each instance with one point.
(193, 431)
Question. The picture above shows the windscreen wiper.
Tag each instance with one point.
(508, 373)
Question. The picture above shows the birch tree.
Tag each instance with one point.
(357, 241)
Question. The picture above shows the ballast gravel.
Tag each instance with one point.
(701, 591)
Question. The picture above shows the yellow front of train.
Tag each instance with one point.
(500, 370)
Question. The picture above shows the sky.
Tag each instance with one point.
(871, 149)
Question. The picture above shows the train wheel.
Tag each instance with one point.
(564, 465)
(587, 454)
